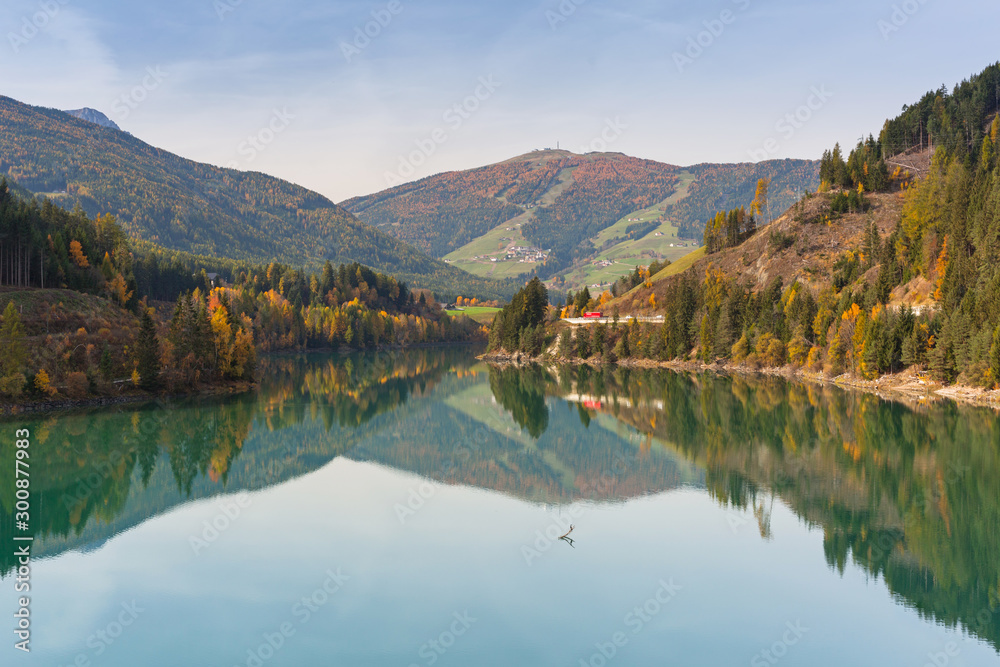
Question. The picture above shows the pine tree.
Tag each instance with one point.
(536, 302)
(327, 281)
(147, 354)
(621, 350)
(582, 299)
(583, 343)
(599, 335)
(565, 344)
(995, 358)
(872, 246)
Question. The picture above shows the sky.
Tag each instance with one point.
(348, 98)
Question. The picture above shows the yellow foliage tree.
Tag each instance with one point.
(798, 351)
(43, 383)
(76, 252)
(223, 333)
(760, 204)
(941, 268)
(118, 289)
(244, 355)
(815, 360)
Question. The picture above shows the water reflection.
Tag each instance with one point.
(908, 493)
(911, 494)
(87, 466)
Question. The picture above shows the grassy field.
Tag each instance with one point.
(490, 245)
(477, 313)
(496, 270)
(617, 230)
(629, 253)
(681, 265)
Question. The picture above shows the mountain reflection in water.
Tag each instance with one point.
(910, 494)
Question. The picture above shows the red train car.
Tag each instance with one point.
(594, 314)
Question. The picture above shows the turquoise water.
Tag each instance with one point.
(407, 508)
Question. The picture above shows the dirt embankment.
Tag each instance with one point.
(816, 238)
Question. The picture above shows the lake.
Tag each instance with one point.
(421, 508)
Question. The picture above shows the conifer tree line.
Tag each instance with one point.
(864, 170)
(520, 325)
(728, 229)
(953, 121)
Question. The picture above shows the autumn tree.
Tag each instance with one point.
(760, 203)
(76, 252)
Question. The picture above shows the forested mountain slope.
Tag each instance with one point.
(184, 205)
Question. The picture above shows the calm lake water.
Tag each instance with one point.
(407, 508)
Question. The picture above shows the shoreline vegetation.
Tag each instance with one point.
(89, 319)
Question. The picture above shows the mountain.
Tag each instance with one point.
(198, 208)
(556, 212)
(94, 116)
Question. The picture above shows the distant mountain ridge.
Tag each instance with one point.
(561, 203)
(188, 206)
(94, 116)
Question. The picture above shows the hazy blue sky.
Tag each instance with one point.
(199, 77)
